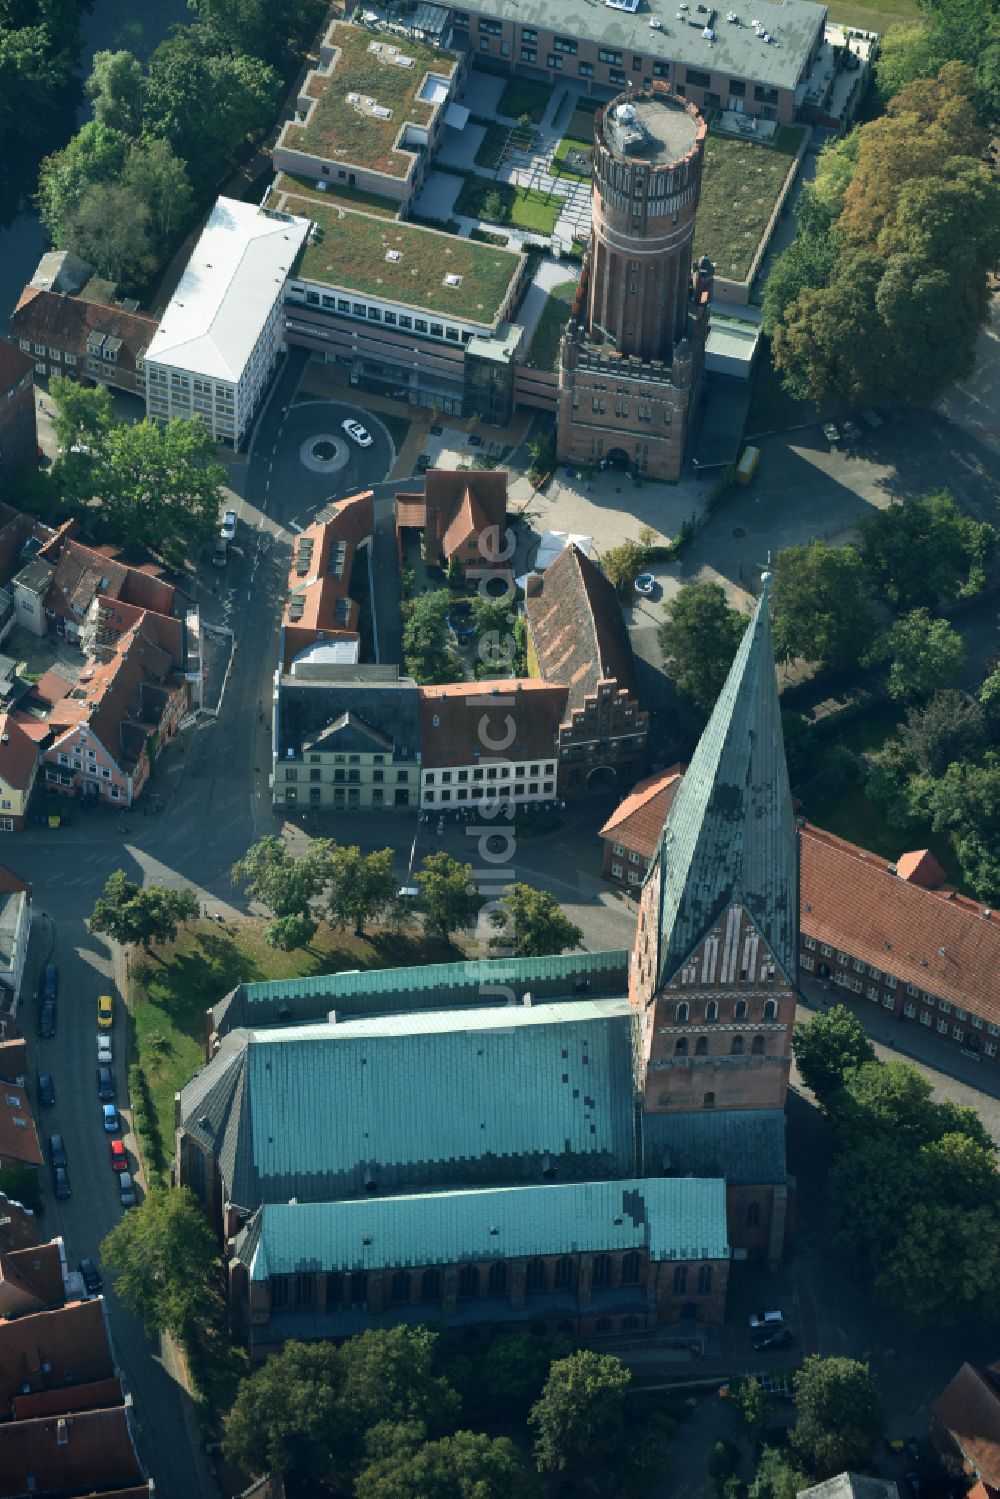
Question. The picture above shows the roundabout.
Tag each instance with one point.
(324, 453)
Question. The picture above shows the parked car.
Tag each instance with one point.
(105, 1011)
(357, 433)
(105, 1084)
(767, 1319)
(60, 1182)
(228, 525)
(768, 1342)
(46, 1091)
(221, 552)
(126, 1190)
(852, 431)
(645, 584)
(47, 1020)
(104, 1048)
(119, 1156)
(110, 1118)
(48, 984)
(57, 1150)
(831, 433)
(91, 1277)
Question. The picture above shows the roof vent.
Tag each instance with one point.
(941, 952)
(892, 868)
(293, 1202)
(526, 998)
(452, 279)
(987, 913)
(204, 1122)
(394, 255)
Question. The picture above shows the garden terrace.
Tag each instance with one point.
(351, 255)
(342, 131)
(740, 184)
(334, 192)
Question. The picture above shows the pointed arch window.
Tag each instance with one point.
(565, 1277)
(604, 1271)
(683, 1012)
(681, 1047)
(770, 1009)
(701, 1047)
(468, 1281)
(631, 1268)
(758, 1046)
(704, 1279)
(680, 1279)
(712, 1010)
(430, 1288)
(401, 1286)
(498, 1278)
(737, 1046)
(740, 1010)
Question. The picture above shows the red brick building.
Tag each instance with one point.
(632, 832)
(577, 637)
(897, 936)
(965, 1426)
(462, 516)
(18, 434)
(318, 606)
(68, 335)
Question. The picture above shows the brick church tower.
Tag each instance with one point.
(714, 972)
(631, 366)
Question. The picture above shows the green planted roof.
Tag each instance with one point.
(672, 1219)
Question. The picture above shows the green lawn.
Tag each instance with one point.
(522, 97)
(171, 991)
(875, 15)
(740, 186)
(569, 143)
(544, 351)
(498, 141)
(523, 207)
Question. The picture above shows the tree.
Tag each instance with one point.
(423, 634)
(289, 932)
(751, 1406)
(82, 414)
(163, 1256)
(448, 897)
(820, 604)
(699, 637)
(532, 924)
(285, 1416)
(839, 1419)
(467, 1465)
(261, 27)
(922, 551)
(924, 653)
(495, 210)
(157, 178)
(777, 1478)
(723, 1457)
(117, 87)
(96, 154)
(110, 228)
(128, 912)
(269, 873)
(826, 1050)
(157, 484)
(965, 801)
(362, 886)
(579, 1418)
(390, 1376)
(508, 1377)
(622, 564)
(950, 727)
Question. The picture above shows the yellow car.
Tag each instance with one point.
(106, 1011)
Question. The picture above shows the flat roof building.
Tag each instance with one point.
(218, 340)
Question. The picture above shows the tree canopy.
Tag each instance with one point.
(362, 886)
(467, 1465)
(698, 638)
(827, 1048)
(268, 872)
(449, 898)
(839, 1418)
(923, 654)
(163, 1256)
(860, 298)
(531, 924)
(579, 1417)
(820, 605)
(128, 912)
(924, 552)
(39, 45)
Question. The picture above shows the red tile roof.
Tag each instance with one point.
(577, 629)
(451, 718)
(67, 322)
(97, 1396)
(31, 1279)
(13, 1058)
(638, 822)
(455, 505)
(18, 753)
(969, 1409)
(55, 1349)
(920, 868)
(84, 572)
(315, 589)
(71, 1455)
(18, 1135)
(936, 940)
(14, 365)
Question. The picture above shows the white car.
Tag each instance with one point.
(103, 1049)
(357, 433)
(228, 525)
(767, 1319)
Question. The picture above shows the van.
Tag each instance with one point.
(220, 553)
(747, 466)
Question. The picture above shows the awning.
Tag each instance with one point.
(457, 116)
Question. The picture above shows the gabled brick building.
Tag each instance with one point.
(462, 517)
(632, 833)
(577, 637)
(898, 936)
(965, 1425)
(319, 610)
(68, 335)
(485, 742)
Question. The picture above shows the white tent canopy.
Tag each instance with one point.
(550, 546)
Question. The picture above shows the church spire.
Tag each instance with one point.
(730, 834)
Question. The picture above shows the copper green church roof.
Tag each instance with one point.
(730, 833)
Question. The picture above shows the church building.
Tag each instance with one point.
(584, 1142)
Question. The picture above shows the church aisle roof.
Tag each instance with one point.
(672, 1219)
(730, 834)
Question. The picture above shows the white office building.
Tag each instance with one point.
(216, 346)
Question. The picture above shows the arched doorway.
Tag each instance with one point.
(617, 459)
(602, 778)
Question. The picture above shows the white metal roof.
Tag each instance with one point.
(227, 291)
